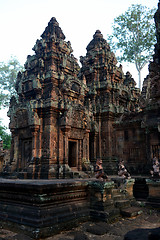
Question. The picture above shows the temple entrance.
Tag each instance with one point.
(72, 154)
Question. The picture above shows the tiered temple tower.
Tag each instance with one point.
(111, 94)
(49, 123)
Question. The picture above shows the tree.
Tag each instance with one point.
(8, 75)
(6, 137)
(134, 36)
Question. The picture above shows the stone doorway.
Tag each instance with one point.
(72, 154)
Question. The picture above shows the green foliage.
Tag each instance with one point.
(8, 75)
(5, 137)
(134, 35)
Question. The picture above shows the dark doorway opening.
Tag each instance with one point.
(72, 155)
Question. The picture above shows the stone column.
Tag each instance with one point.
(87, 144)
(148, 147)
(154, 191)
(94, 147)
(101, 202)
(129, 188)
(79, 155)
(34, 141)
(99, 137)
(14, 151)
(65, 130)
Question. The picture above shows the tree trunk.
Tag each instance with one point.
(139, 78)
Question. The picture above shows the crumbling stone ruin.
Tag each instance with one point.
(67, 116)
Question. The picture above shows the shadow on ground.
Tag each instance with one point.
(143, 234)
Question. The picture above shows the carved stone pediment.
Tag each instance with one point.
(74, 86)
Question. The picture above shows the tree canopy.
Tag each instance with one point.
(134, 36)
(8, 75)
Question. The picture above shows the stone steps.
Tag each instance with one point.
(124, 203)
(107, 215)
(131, 212)
(118, 197)
(115, 191)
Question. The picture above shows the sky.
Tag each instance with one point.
(23, 21)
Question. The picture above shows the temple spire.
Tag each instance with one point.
(53, 29)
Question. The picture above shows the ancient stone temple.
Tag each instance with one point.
(50, 123)
(67, 116)
(111, 94)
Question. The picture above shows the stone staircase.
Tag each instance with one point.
(125, 205)
(109, 201)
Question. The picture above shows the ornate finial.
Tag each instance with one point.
(98, 34)
(53, 28)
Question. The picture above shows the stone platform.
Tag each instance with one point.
(42, 208)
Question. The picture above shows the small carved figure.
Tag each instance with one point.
(122, 171)
(155, 172)
(99, 171)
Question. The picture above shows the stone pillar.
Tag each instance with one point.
(34, 141)
(94, 147)
(87, 144)
(79, 155)
(154, 191)
(101, 203)
(129, 187)
(65, 152)
(148, 150)
(99, 137)
(65, 130)
(14, 151)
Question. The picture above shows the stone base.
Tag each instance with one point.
(41, 208)
(154, 192)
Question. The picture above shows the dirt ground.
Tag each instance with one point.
(137, 228)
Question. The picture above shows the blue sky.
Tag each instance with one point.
(23, 21)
